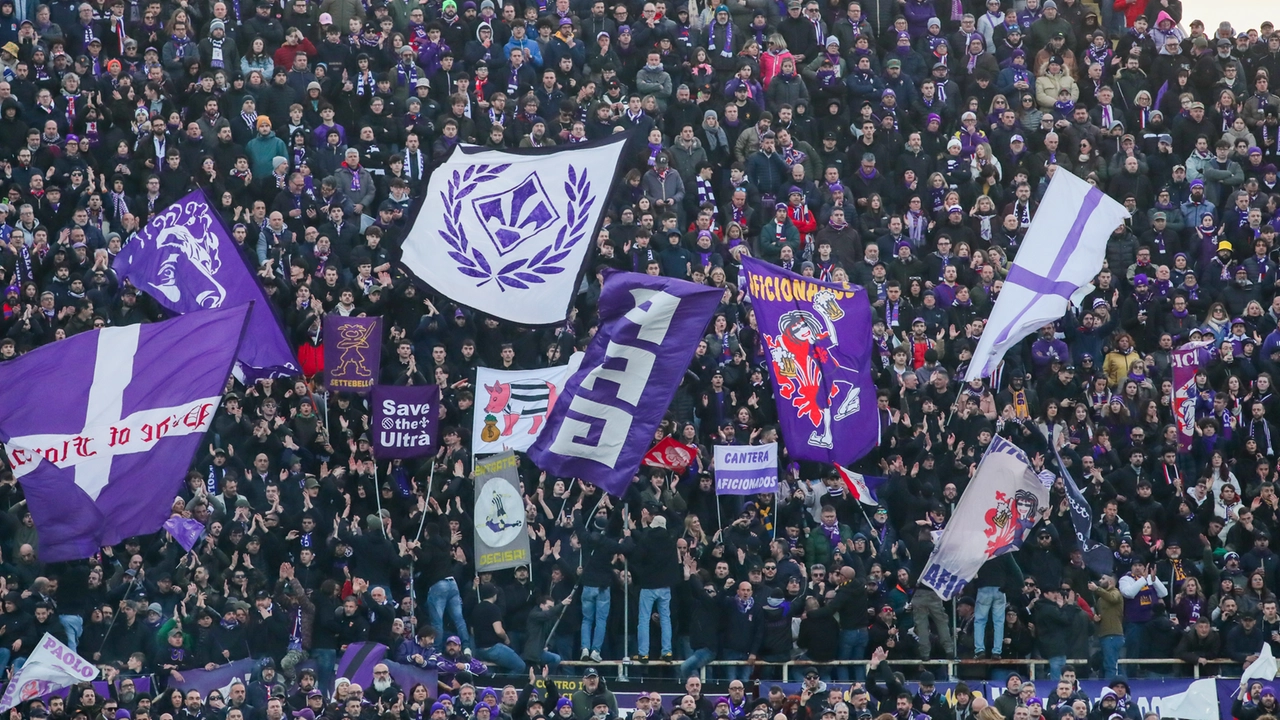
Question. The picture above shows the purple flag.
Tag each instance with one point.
(406, 421)
(352, 352)
(818, 338)
(101, 427)
(358, 660)
(406, 676)
(186, 261)
(604, 421)
(219, 678)
(1186, 360)
(185, 530)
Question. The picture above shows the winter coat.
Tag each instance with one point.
(1049, 85)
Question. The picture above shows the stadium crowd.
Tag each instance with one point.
(901, 145)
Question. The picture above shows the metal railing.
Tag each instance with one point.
(1031, 666)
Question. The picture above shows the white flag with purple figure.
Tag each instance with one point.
(506, 231)
(1063, 250)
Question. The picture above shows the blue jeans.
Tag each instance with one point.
(853, 646)
(326, 661)
(595, 617)
(550, 659)
(991, 602)
(648, 597)
(504, 657)
(74, 625)
(1112, 647)
(444, 595)
(736, 672)
(696, 660)
(1055, 666)
(1133, 632)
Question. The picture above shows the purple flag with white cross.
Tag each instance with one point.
(100, 427)
(185, 260)
(603, 423)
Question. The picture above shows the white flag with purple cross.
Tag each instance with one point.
(1063, 250)
(506, 231)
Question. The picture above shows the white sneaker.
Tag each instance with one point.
(595, 656)
(585, 654)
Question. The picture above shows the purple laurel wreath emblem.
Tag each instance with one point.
(509, 218)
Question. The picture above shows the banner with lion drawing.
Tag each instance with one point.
(512, 405)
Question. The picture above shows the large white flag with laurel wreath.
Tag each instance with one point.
(506, 231)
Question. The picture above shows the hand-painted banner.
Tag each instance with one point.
(501, 540)
(185, 260)
(649, 329)
(1063, 251)
(818, 337)
(352, 352)
(406, 421)
(52, 666)
(1001, 504)
(512, 405)
(506, 231)
(746, 469)
(101, 427)
(1186, 361)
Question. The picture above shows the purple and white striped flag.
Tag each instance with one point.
(1062, 252)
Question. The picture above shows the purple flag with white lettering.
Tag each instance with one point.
(406, 421)
(818, 337)
(101, 427)
(352, 352)
(186, 261)
(603, 422)
(185, 530)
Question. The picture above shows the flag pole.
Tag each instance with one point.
(377, 496)
(426, 499)
(626, 592)
(716, 495)
(777, 499)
